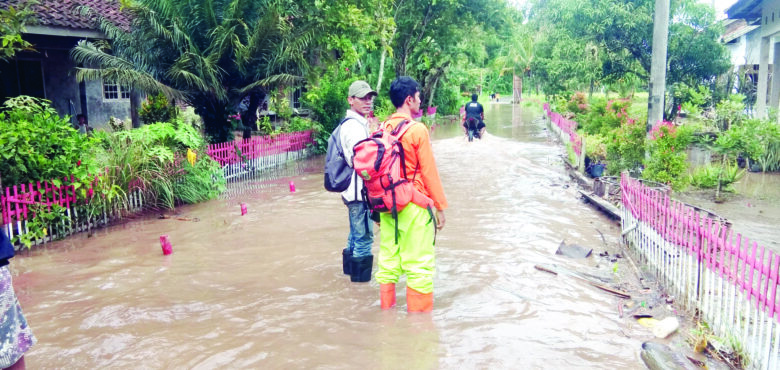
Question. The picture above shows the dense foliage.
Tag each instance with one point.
(585, 45)
(12, 25)
(156, 108)
(666, 162)
(37, 144)
(152, 159)
(211, 54)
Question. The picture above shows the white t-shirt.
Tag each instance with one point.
(353, 130)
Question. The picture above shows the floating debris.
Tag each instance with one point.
(657, 356)
(573, 250)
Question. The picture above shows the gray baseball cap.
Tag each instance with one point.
(360, 89)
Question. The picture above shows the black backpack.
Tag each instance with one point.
(338, 173)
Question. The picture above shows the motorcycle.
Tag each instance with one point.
(472, 128)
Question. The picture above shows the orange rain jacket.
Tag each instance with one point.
(418, 151)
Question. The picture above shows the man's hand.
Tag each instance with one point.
(440, 220)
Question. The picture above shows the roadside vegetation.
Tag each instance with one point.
(594, 69)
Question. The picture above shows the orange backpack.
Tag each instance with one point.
(379, 161)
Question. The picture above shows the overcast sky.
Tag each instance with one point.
(720, 6)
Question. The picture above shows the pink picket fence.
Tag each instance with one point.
(16, 201)
(259, 146)
(240, 159)
(19, 202)
(565, 127)
(701, 261)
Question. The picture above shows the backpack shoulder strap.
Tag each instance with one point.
(400, 129)
(337, 132)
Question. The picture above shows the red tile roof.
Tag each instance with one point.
(62, 13)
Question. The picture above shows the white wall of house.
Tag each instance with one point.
(770, 17)
(746, 49)
(753, 46)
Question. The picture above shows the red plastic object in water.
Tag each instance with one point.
(166, 245)
(243, 209)
(292, 187)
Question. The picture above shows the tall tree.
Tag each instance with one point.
(516, 56)
(622, 32)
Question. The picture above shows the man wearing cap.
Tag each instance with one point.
(356, 126)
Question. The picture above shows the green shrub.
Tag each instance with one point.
(199, 182)
(707, 177)
(595, 147)
(146, 159)
(37, 144)
(156, 108)
(667, 162)
(46, 222)
(691, 109)
(604, 116)
(264, 125)
(302, 124)
(578, 103)
(189, 117)
(626, 147)
(281, 105)
(383, 107)
(770, 160)
(729, 112)
(328, 101)
(698, 96)
(446, 101)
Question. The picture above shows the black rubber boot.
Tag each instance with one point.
(346, 256)
(361, 269)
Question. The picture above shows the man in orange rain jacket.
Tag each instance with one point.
(413, 253)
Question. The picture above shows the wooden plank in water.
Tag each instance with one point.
(602, 204)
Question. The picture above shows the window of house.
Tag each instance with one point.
(112, 91)
(296, 97)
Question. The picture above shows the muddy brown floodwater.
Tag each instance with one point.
(266, 290)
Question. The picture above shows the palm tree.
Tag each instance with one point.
(208, 53)
(516, 57)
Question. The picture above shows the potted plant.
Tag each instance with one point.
(596, 150)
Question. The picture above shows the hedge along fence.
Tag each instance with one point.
(242, 159)
(566, 130)
(22, 205)
(730, 281)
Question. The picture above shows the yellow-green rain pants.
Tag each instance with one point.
(413, 255)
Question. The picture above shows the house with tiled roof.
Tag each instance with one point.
(49, 73)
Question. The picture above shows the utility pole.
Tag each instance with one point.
(655, 102)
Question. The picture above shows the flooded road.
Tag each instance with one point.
(266, 290)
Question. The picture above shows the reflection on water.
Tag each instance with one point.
(265, 290)
(760, 185)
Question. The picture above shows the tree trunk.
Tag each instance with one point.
(135, 104)
(433, 90)
(381, 70)
(400, 68)
(216, 125)
(249, 119)
(517, 87)
(590, 93)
